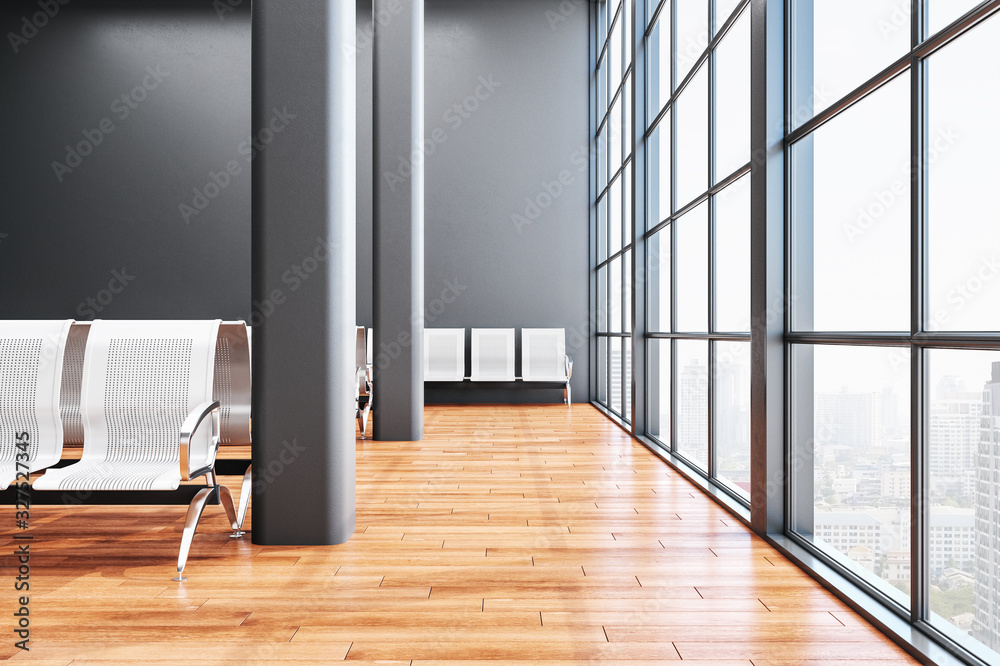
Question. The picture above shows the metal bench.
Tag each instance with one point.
(147, 388)
(362, 381)
(31, 387)
(543, 356)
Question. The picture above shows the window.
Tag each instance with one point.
(882, 303)
(894, 306)
(612, 208)
(698, 237)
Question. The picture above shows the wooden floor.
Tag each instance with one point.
(514, 534)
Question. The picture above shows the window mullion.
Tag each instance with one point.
(919, 425)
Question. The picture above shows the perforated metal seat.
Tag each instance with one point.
(31, 378)
(493, 355)
(147, 388)
(119, 476)
(444, 354)
(232, 388)
(363, 393)
(544, 358)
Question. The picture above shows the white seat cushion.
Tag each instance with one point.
(116, 476)
(31, 365)
(141, 380)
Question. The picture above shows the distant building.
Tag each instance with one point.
(897, 567)
(952, 540)
(692, 417)
(964, 621)
(987, 596)
(953, 579)
(864, 556)
(896, 483)
(954, 424)
(854, 419)
(866, 536)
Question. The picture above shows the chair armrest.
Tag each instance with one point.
(189, 427)
(569, 367)
(359, 377)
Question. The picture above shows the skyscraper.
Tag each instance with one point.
(855, 419)
(955, 430)
(692, 417)
(987, 597)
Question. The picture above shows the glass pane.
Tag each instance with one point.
(940, 13)
(851, 457)
(840, 45)
(627, 24)
(615, 300)
(964, 243)
(615, 216)
(615, 136)
(658, 308)
(692, 34)
(732, 258)
(658, 156)
(692, 401)
(602, 371)
(627, 293)
(651, 8)
(851, 218)
(692, 270)
(627, 120)
(731, 432)
(616, 375)
(732, 100)
(627, 201)
(964, 493)
(723, 9)
(627, 372)
(602, 229)
(692, 139)
(602, 158)
(602, 87)
(658, 407)
(658, 67)
(615, 54)
(602, 299)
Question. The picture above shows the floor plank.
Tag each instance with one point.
(512, 534)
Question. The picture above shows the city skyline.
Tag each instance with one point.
(862, 487)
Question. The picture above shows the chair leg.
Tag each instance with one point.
(568, 394)
(226, 497)
(364, 419)
(190, 525)
(244, 498)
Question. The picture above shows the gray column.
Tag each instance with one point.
(398, 219)
(638, 223)
(767, 284)
(801, 208)
(303, 271)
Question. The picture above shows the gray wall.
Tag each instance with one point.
(483, 160)
(109, 239)
(60, 242)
